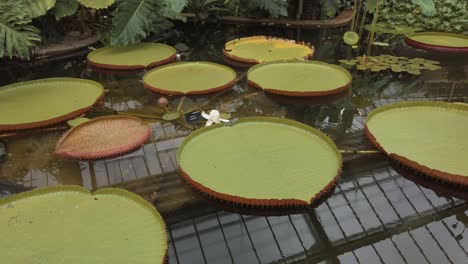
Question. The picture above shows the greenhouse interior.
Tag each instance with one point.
(233, 131)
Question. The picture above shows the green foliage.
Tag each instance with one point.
(38, 7)
(64, 8)
(97, 4)
(427, 6)
(16, 36)
(172, 8)
(393, 63)
(276, 8)
(330, 7)
(134, 20)
(450, 16)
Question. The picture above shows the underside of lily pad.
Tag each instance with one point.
(103, 137)
(429, 137)
(68, 224)
(439, 42)
(45, 102)
(134, 57)
(258, 49)
(189, 78)
(261, 162)
(299, 78)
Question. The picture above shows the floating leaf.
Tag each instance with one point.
(77, 121)
(190, 78)
(171, 116)
(299, 78)
(137, 56)
(55, 224)
(429, 137)
(259, 161)
(259, 49)
(438, 41)
(351, 38)
(45, 102)
(103, 137)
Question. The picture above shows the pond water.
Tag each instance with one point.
(376, 215)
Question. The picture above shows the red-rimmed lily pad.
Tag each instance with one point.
(68, 224)
(134, 57)
(258, 49)
(429, 137)
(438, 41)
(262, 162)
(299, 78)
(189, 78)
(103, 137)
(45, 102)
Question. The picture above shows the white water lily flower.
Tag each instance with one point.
(213, 118)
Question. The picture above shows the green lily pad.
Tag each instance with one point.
(171, 116)
(438, 41)
(260, 161)
(189, 78)
(299, 78)
(67, 224)
(137, 56)
(429, 137)
(260, 49)
(45, 102)
(414, 72)
(351, 38)
(77, 121)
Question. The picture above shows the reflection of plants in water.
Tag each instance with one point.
(393, 63)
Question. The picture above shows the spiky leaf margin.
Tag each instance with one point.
(64, 8)
(16, 36)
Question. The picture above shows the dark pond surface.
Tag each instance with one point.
(378, 214)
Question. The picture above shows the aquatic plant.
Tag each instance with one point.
(429, 137)
(261, 162)
(393, 63)
(439, 42)
(55, 224)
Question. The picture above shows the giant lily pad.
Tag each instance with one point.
(189, 78)
(438, 41)
(260, 49)
(44, 102)
(299, 78)
(137, 56)
(430, 137)
(103, 137)
(67, 224)
(261, 161)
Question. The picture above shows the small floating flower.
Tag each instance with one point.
(213, 118)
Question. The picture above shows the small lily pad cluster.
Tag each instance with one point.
(393, 63)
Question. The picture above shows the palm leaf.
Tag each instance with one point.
(38, 7)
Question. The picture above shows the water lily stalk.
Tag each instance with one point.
(32, 132)
(363, 20)
(140, 115)
(355, 15)
(373, 29)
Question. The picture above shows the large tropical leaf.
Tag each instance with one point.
(64, 8)
(97, 4)
(427, 6)
(172, 8)
(134, 20)
(276, 8)
(38, 7)
(16, 36)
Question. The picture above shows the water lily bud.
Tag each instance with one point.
(163, 102)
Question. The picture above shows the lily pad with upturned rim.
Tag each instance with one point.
(261, 161)
(299, 78)
(430, 137)
(134, 57)
(55, 225)
(189, 78)
(438, 41)
(44, 102)
(258, 49)
(103, 137)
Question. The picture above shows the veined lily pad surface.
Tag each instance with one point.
(44, 102)
(261, 161)
(299, 78)
(103, 137)
(67, 224)
(438, 41)
(189, 78)
(137, 56)
(260, 49)
(430, 137)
